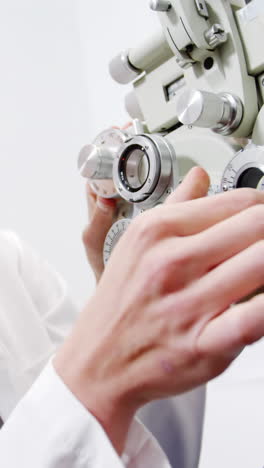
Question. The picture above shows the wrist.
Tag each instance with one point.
(104, 397)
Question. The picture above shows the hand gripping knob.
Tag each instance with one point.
(95, 162)
(221, 112)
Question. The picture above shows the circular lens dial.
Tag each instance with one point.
(96, 161)
(113, 236)
(246, 169)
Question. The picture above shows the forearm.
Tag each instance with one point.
(103, 395)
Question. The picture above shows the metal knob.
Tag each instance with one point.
(221, 112)
(95, 162)
(160, 5)
(215, 36)
(121, 70)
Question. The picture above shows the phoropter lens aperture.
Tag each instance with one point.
(134, 168)
(250, 178)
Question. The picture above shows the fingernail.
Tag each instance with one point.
(106, 205)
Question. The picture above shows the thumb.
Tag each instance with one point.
(95, 233)
(101, 221)
(195, 185)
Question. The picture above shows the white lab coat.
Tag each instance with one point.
(49, 428)
(35, 316)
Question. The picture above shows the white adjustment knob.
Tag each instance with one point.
(132, 106)
(215, 36)
(95, 162)
(121, 70)
(221, 112)
(160, 5)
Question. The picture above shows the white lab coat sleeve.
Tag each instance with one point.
(48, 292)
(36, 314)
(51, 429)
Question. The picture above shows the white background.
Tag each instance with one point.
(55, 96)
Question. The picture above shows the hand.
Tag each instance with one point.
(101, 213)
(161, 320)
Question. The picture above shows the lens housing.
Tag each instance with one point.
(142, 170)
(134, 167)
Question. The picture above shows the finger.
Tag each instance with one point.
(239, 326)
(192, 217)
(195, 185)
(95, 233)
(229, 282)
(229, 237)
(91, 198)
(201, 253)
(127, 125)
(100, 223)
(124, 127)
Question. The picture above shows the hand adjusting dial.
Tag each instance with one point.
(95, 161)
